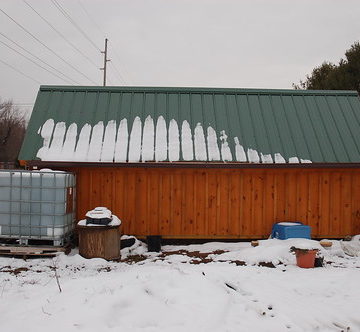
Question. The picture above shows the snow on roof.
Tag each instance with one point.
(145, 141)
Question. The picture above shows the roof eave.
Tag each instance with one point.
(33, 164)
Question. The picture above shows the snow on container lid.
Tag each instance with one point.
(99, 213)
(114, 222)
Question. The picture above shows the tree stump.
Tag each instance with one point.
(99, 242)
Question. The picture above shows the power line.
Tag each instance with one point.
(19, 71)
(68, 80)
(118, 57)
(61, 35)
(103, 34)
(48, 48)
(91, 19)
(31, 60)
(117, 71)
(69, 18)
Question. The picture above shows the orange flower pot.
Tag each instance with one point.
(305, 258)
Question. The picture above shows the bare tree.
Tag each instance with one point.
(12, 131)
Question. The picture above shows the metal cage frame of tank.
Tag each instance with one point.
(40, 205)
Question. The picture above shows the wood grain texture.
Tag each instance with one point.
(223, 203)
(99, 242)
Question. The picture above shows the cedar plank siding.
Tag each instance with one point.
(223, 203)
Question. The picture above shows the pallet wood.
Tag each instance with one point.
(30, 250)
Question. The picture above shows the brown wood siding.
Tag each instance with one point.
(223, 203)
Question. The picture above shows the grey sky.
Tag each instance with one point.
(218, 43)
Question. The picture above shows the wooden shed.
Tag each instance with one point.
(204, 162)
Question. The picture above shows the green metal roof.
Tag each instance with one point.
(246, 125)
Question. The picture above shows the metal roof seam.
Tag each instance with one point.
(229, 127)
(251, 124)
(243, 137)
(265, 126)
(315, 131)
(325, 128)
(348, 127)
(288, 126)
(301, 126)
(356, 116)
(282, 148)
(337, 129)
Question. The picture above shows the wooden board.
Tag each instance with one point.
(31, 250)
(223, 203)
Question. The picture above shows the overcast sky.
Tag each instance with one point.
(213, 43)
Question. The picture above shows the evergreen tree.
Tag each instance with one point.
(328, 76)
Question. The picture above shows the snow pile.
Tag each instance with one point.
(271, 251)
(351, 248)
(138, 248)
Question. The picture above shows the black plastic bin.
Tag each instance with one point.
(154, 243)
(98, 221)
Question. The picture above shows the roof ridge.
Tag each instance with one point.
(196, 90)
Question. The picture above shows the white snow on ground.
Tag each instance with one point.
(168, 292)
(146, 143)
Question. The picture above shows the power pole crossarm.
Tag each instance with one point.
(106, 60)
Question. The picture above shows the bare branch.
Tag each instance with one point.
(56, 276)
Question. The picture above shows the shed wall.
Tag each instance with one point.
(223, 203)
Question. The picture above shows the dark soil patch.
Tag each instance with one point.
(266, 264)
(194, 254)
(134, 259)
(197, 258)
(104, 269)
(237, 262)
(201, 261)
(15, 272)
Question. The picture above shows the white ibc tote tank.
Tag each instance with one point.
(37, 205)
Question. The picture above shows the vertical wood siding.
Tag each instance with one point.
(223, 203)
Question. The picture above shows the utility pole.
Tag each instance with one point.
(106, 60)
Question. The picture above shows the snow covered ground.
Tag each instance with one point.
(185, 288)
